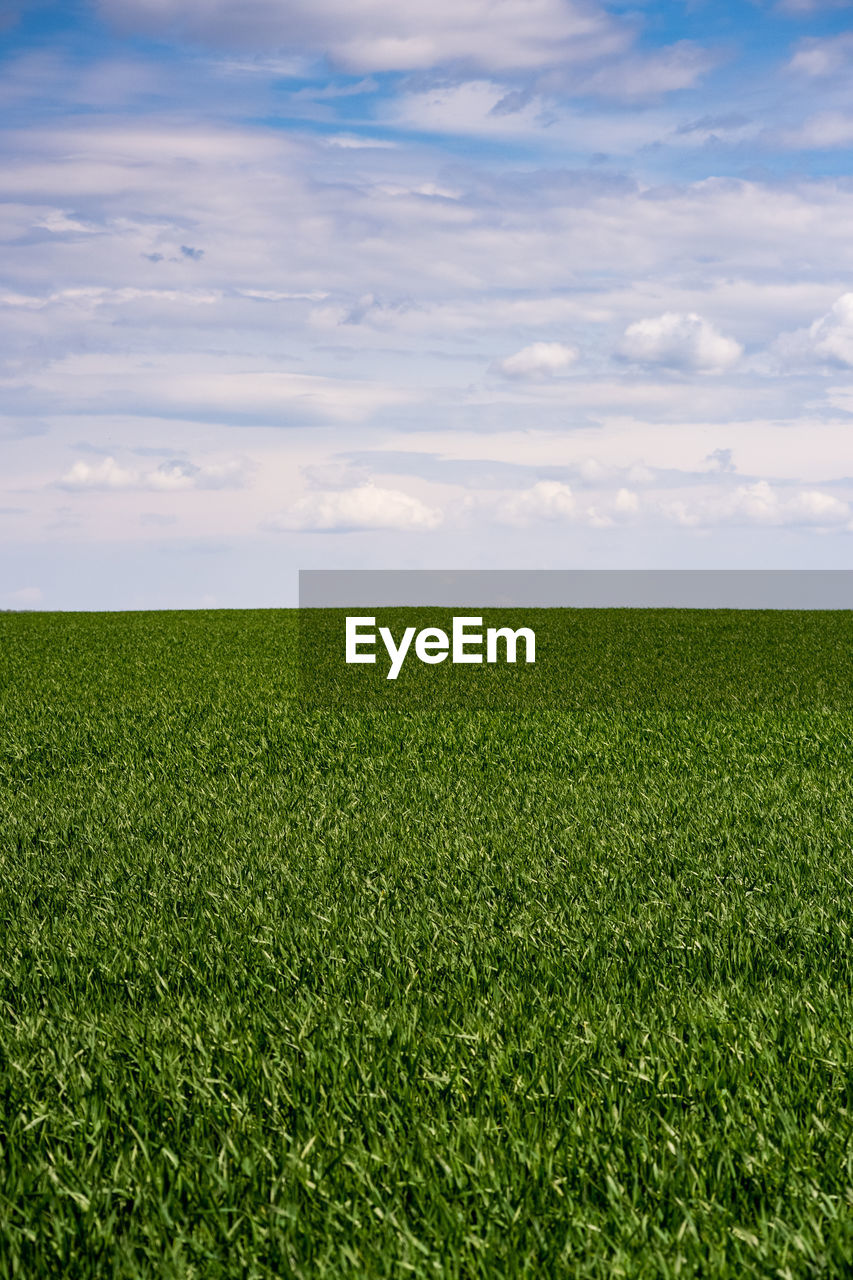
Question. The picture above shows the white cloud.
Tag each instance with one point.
(232, 473)
(552, 501)
(680, 341)
(814, 507)
(364, 507)
(828, 339)
(759, 503)
(822, 56)
(626, 502)
(60, 222)
(762, 504)
(832, 335)
(821, 132)
(547, 500)
(721, 461)
(169, 477)
(539, 360)
(102, 475)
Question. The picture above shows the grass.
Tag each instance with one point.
(433, 993)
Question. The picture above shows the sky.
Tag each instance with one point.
(419, 284)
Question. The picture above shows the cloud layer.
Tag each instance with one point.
(482, 283)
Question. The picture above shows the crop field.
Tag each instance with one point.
(305, 992)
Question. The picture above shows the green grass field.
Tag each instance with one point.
(439, 993)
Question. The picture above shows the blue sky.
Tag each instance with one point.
(389, 283)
